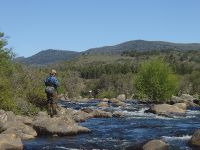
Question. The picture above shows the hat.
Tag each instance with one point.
(53, 71)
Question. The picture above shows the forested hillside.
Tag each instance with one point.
(141, 45)
(49, 56)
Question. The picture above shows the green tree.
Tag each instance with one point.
(6, 70)
(156, 81)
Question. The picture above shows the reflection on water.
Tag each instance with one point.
(135, 128)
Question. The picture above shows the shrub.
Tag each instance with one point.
(106, 94)
(156, 80)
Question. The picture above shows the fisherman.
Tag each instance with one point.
(51, 84)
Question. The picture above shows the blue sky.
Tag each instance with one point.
(35, 25)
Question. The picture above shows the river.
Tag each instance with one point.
(125, 133)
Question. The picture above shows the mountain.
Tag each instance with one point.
(141, 45)
(49, 56)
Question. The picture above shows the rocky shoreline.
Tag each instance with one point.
(14, 128)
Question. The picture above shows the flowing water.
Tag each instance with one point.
(128, 132)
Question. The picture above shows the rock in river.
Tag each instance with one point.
(10, 142)
(155, 145)
(20, 129)
(166, 110)
(63, 125)
(195, 140)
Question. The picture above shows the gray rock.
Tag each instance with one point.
(187, 97)
(103, 104)
(57, 126)
(87, 110)
(118, 114)
(181, 105)
(121, 97)
(6, 116)
(101, 114)
(117, 102)
(23, 131)
(24, 119)
(3, 116)
(10, 142)
(176, 99)
(195, 140)
(155, 145)
(166, 109)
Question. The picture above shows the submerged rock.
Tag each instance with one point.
(155, 145)
(195, 140)
(118, 114)
(10, 142)
(87, 110)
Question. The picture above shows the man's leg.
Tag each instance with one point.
(50, 105)
(55, 99)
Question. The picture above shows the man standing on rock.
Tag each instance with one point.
(51, 84)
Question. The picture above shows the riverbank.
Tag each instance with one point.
(118, 127)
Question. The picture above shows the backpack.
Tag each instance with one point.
(50, 90)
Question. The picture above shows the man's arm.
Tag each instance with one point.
(55, 82)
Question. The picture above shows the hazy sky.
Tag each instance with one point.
(34, 25)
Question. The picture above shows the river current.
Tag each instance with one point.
(125, 133)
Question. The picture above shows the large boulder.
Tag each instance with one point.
(24, 119)
(187, 97)
(63, 125)
(77, 115)
(103, 104)
(23, 131)
(195, 140)
(155, 145)
(10, 142)
(100, 114)
(81, 116)
(166, 110)
(184, 98)
(121, 97)
(117, 102)
(181, 105)
(105, 100)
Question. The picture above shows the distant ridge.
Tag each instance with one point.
(49, 56)
(142, 45)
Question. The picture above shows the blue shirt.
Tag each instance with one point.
(51, 81)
